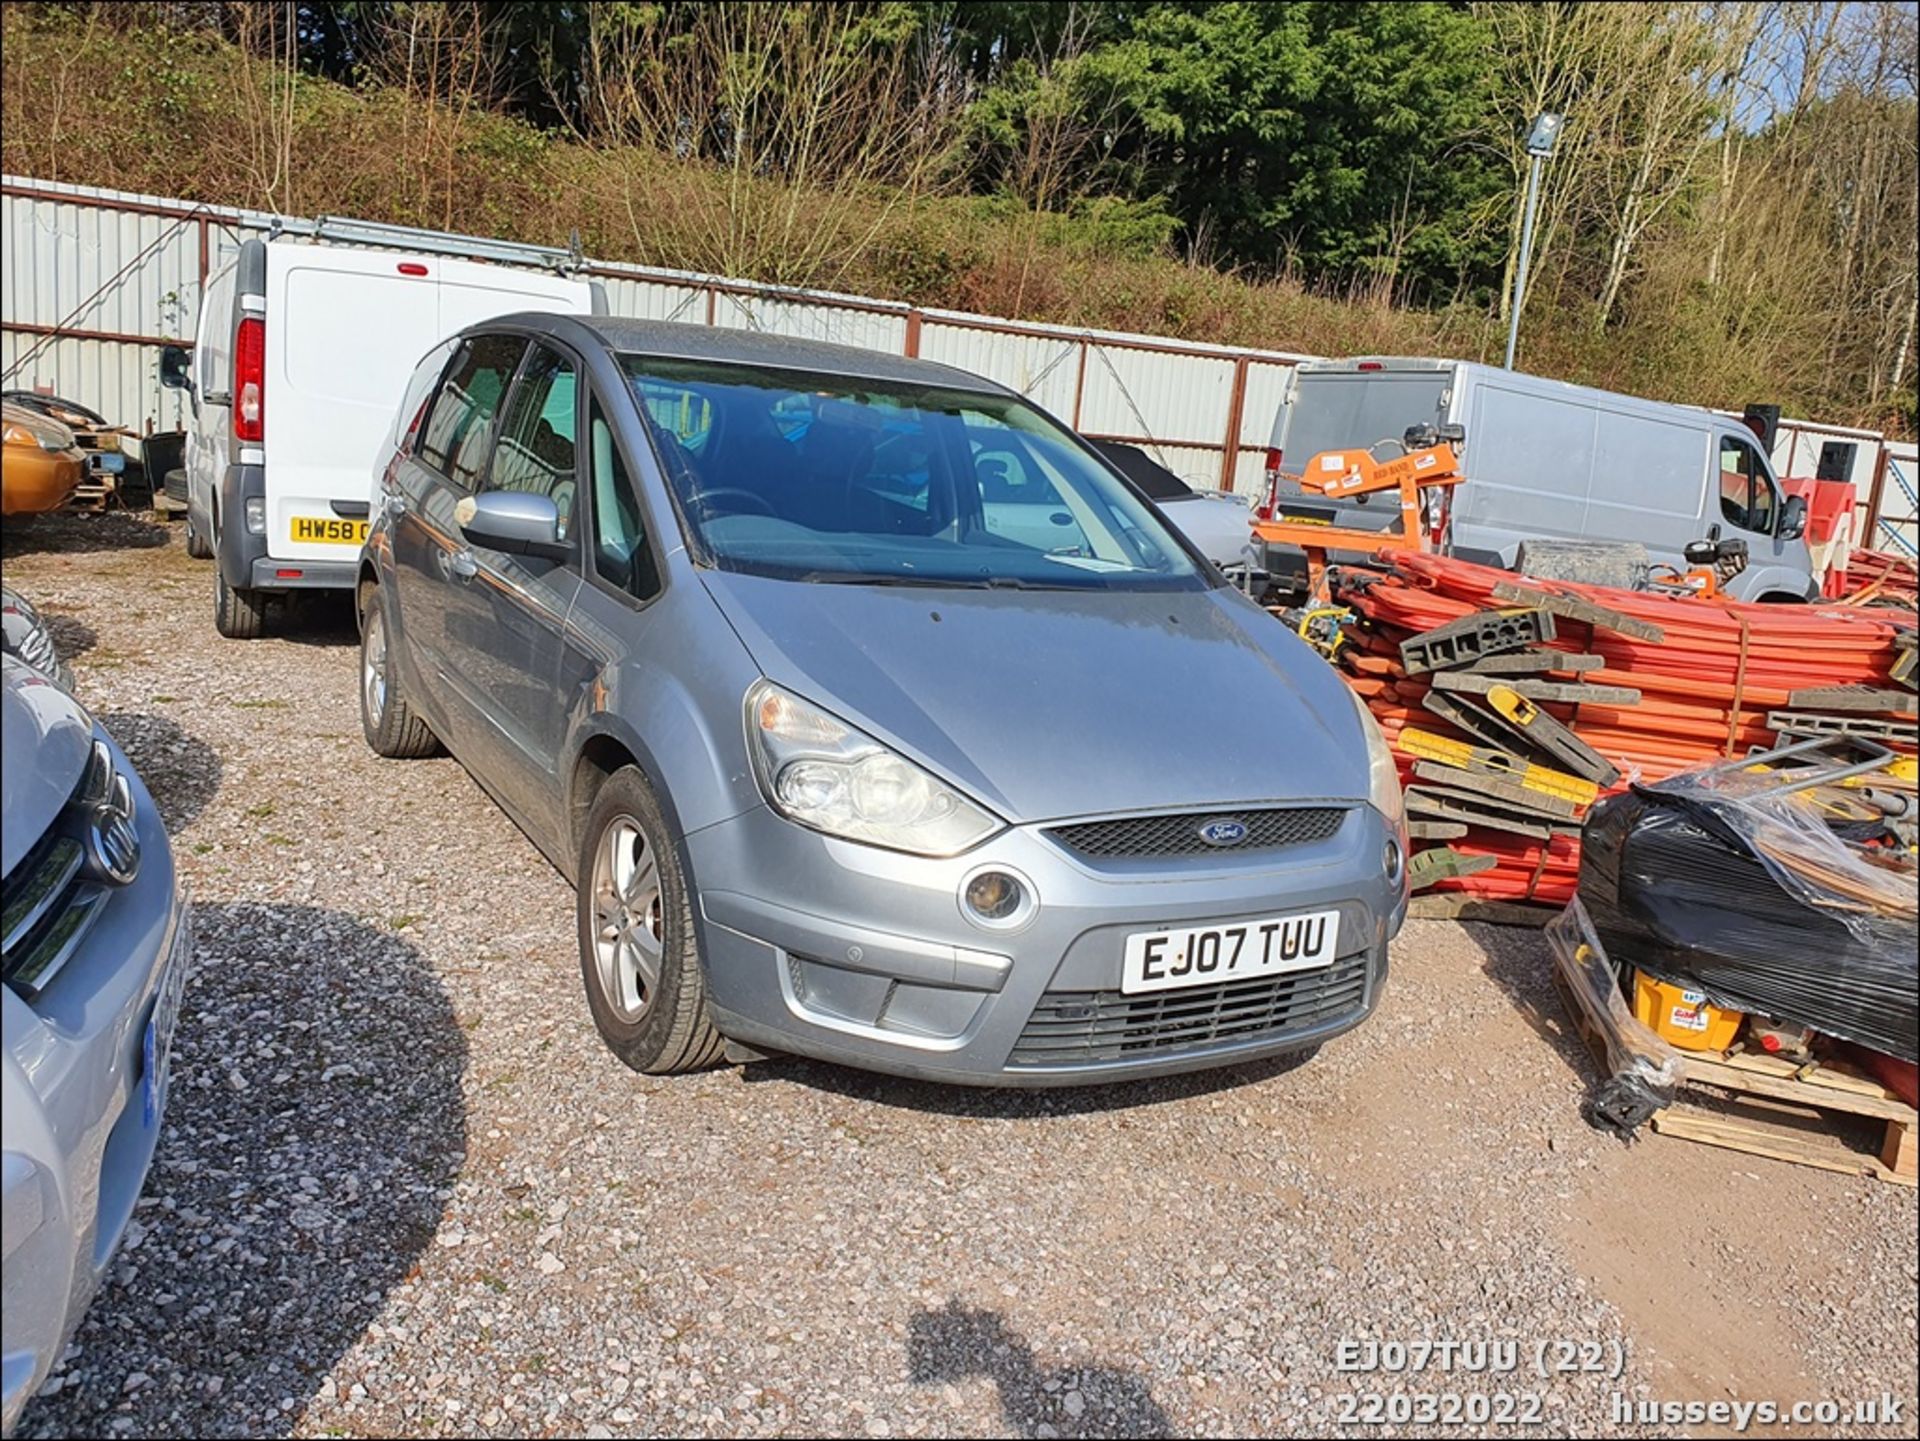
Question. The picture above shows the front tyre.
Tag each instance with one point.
(638, 955)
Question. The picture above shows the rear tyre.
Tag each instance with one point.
(198, 546)
(638, 955)
(238, 614)
(386, 720)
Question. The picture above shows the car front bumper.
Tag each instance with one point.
(849, 953)
(36, 481)
(80, 1118)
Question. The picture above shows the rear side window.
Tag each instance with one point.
(535, 452)
(407, 420)
(621, 556)
(454, 439)
(214, 351)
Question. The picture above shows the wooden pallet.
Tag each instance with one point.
(1779, 1113)
(1785, 1112)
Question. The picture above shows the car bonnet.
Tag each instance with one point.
(45, 741)
(1047, 704)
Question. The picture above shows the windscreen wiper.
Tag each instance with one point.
(887, 577)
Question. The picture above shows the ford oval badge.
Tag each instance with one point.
(1223, 832)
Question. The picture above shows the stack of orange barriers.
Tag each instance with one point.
(1707, 686)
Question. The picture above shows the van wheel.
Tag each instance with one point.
(638, 956)
(238, 614)
(387, 721)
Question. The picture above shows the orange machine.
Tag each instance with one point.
(1338, 474)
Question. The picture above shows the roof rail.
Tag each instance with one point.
(338, 230)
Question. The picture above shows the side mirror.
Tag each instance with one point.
(174, 368)
(1793, 518)
(515, 521)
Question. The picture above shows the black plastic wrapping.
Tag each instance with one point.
(1676, 888)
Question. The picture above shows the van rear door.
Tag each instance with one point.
(345, 328)
(1353, 409)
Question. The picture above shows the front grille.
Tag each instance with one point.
(1179, 834)
(52, 897)
(1073, 1028)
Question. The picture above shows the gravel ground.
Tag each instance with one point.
(403, 1188)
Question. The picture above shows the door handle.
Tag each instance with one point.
(462, 566)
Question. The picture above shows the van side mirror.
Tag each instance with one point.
(1793, 518)
(174, 368)
(515, 521)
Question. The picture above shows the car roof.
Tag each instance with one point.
(726, 346)
(1143, 470)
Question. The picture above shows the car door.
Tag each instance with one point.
(614, 615)
(505, 613)
(448, 458)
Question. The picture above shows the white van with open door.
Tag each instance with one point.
(299, 360)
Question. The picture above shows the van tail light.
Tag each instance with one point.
(250, 379)
(1270, 502)
(1369, 365)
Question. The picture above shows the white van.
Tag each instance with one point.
(299, 360)
(1545, 460)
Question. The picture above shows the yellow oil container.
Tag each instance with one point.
(1683, 1018)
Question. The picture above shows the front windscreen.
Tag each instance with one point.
(833, 479)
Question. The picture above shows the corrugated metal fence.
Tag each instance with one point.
(93, 282)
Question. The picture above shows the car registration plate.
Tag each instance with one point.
(156, 1046)
(324, 530)
(1207, 955)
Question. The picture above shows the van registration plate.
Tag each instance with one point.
(1207, 955)
(325, 530)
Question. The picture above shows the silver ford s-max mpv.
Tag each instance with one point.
(873, 715)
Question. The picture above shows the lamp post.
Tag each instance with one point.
(1546, 130)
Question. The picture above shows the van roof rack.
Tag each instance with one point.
(336, 230)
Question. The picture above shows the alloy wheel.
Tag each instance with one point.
(628, 919)
(373, 668)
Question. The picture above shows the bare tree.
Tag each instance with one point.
(446, 57)
(264, 75)
(820, 123)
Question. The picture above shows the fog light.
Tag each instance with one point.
(994, 895)
(1395, 860)
(257, 514)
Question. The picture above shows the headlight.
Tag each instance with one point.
(1383, 775)
(819, 771)
(19, 435)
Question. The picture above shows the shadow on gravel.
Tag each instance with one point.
(71, 636)
(180, 770)
(1004, 1103)
(73, 532)
(1520, 963)
(957, 1344)
(315, 1126)
(314, 617)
